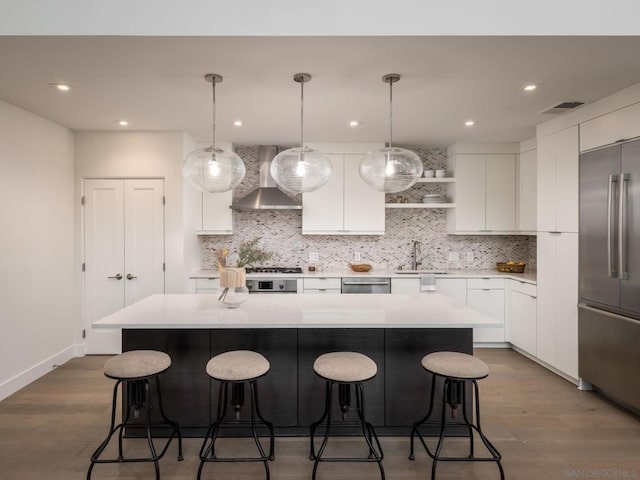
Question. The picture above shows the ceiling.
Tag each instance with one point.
(156, 83)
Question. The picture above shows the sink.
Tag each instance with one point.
(418, 272)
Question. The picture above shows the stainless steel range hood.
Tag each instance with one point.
(268, 196)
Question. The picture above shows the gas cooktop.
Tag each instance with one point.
(274, 270)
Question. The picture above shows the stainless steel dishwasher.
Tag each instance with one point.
(366, 285)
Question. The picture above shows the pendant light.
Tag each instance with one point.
(391, 169)
(213, 169)
(301, 169)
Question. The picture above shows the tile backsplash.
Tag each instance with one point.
(281, 233)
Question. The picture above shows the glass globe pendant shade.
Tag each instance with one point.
(301, 169)
(213, 170)
(391, 169)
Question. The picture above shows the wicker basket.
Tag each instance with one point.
(511, 267)
(360, 267)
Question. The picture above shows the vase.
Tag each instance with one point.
(233, 290)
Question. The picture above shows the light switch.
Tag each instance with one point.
(313, 256)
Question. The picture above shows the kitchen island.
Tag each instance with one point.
(396, 331)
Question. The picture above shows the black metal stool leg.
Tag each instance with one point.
(255, 433)
(416, 425)
(148, 430)
(176, 427)
(492, 450)
(327, 430)
(269, 425)
(314, 425)
(466, 420)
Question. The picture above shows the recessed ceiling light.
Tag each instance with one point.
(470, 123)
(123, 123)
(238, 123)
(354, 123)
(529, 88)
(63, 87)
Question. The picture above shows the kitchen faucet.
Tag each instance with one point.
(414, 255)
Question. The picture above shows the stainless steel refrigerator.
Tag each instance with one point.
(609, 279)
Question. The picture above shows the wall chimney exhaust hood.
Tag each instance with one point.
(267, 196)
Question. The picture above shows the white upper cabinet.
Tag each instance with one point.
(558, 155)
(345, 205)
(485, 189)
(527, 181)
(214, 215)
(613, 127)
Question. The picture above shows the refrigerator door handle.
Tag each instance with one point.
(624, 180)
(611, 263)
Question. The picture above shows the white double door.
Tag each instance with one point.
(123, 251)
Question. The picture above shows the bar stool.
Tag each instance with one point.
(456, 369)
(345, 369)
(237, 368)
(135, 369)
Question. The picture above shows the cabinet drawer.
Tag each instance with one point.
(485, 283)
(524, 287)
(207, 283)
(322, 290)
(322, 282)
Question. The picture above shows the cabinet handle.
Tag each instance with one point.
(130, 277)
(117, 277)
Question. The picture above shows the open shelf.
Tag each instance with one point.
(420, 205)
(437, 180)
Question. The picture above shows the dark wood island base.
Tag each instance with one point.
(291, 395)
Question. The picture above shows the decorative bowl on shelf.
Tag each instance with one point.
(360, 267)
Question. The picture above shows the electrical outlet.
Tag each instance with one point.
(313, 256)
(357, 257)
(470, 256)
(454, 256)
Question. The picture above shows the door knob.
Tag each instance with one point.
(117, 277)
(130, 277)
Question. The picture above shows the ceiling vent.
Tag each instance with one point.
(562, 107)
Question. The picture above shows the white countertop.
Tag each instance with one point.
(427, 310)
(529, 277)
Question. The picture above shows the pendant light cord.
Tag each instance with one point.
(301, 114)
(390, 114)
(213, 136)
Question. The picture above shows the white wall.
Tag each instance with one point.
(36, 247)
(139, 154)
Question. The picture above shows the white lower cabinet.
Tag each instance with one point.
(405, 285)
(454, 288)
(485, 295)
(322, 285)
(207, 285)
(521, 316)
(557, 305)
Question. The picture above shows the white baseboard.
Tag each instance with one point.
(11, 386)
(546, 365)
(492, 345)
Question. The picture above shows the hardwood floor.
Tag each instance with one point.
(544, 427)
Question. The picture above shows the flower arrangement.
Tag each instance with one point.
(249, 253)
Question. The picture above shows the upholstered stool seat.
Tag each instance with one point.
(235, 369)
(347, 370)
(456, 370)
(238, 366)
(135, 369)
(345, 367)
(455, 365)
(137, 364)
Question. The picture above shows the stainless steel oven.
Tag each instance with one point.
(272, 285)
(366, 285)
